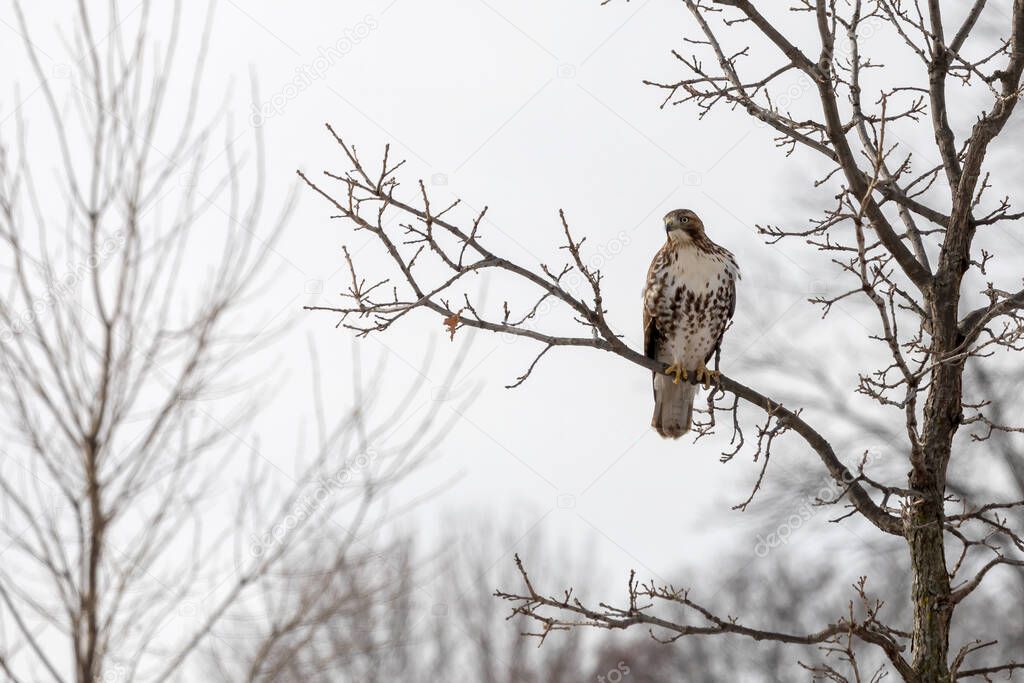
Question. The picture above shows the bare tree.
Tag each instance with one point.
(912, 242)
(338, 585)
(131, 481)
(784, 593)
(417, 614)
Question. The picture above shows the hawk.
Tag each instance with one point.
(689, 298)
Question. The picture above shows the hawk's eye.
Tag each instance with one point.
(685, 219)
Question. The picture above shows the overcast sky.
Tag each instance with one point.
(528, 108)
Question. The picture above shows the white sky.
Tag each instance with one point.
(526, 107)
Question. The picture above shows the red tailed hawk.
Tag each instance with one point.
(689, 299)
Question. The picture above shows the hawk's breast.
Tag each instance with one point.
(690, 299)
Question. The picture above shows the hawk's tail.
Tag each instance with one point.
(673, 406)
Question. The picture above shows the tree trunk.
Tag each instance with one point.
(930, 591)
(924, 516)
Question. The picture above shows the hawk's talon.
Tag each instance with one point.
(707, 377)
(677, 371)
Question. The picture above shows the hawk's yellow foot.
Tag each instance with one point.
(706, 376)
(678, 371)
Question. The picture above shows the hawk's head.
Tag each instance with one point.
(683, 223)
